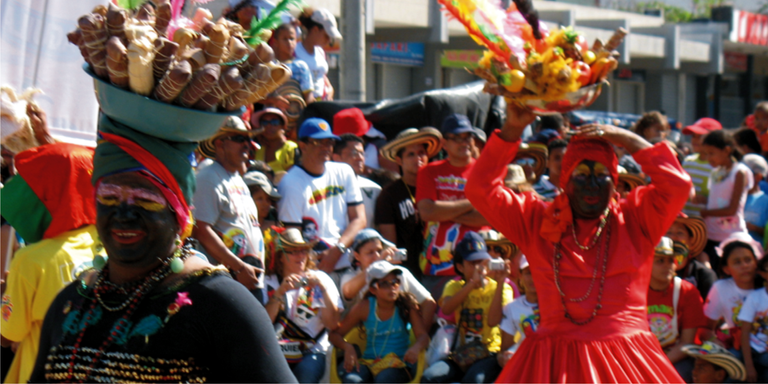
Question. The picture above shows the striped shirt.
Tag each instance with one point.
(699, 171)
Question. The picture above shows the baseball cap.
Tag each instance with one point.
(367, 234)
(702, 126)
(324, 17)
(316, 128)
(350, 120)
(756, 164)
(260, 179)
(523, 262)
(665, 247)
(471, 248)
(380, 269)
(455, 124)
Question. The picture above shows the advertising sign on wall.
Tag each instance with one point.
(411, 54)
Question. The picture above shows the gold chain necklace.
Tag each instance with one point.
(407, 188)
(603, 221)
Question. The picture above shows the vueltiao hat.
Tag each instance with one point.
(493, 238)
(426, 135)
(232, 124)
(633, 180)
(535, 151)
(292, 238)
(698, 231)
(719, 356)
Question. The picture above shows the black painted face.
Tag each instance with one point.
(589, 189)
(134, 220)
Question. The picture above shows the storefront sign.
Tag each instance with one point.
(411, 54)
(751, 28)
(736, 61)
(460, 58)
(631, 75)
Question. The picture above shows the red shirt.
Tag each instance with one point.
(690, 312)
(441, 181)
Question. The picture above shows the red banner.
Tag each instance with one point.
(751, 28)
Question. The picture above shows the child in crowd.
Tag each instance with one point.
(729, 182)
(690, 233)
(760, 124)
(521, 315)
(386, 314)
(675, 310)
(370, 250)
(696, 164)
(754, 326)
(727, 296)
(500, 248)
(756, 208)
(477, 303)
(714, 364)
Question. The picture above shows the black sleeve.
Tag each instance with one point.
(385, 210)
(244, 345)
(704, 280)
(51, 330)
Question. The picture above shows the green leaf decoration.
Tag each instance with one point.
(269, 22)
(130, 4)
(570, 35)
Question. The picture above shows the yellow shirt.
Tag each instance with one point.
(37, 273)
(472, 315)
(284, 157)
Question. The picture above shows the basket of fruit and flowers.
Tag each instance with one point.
(547, 71)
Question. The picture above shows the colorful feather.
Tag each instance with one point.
(270, 21)
(129, 4)
(176, 7)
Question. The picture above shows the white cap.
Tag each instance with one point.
(523, 262)
(324, 17)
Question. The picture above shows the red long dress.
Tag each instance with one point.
(616, 346)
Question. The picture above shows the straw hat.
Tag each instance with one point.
(719, 356)
(292, 238)
(537, 152)
(232, 124)
(633, 180)
(698, 233)
(493, 238)
(427, 135)
(515, 175)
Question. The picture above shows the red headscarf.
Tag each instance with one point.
(558, 216)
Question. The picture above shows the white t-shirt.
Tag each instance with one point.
(222, 200)
(302, 307)
(755, 311)
(317, 65)
(370, 192)
(318, 203)
(520, 316)
(724, 301)
(720, 192)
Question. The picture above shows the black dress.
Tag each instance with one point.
(206, 328)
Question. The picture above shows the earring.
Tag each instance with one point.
(99, 257)
(177, 262)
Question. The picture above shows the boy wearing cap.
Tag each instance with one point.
(698, 168)
(322, 198)
(396, 217)
(442, 204)
(756, 208)
(349, 149)
(477, 303)
(264, 195)
(226, 218)
(675, 309)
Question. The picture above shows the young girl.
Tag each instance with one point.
(384, 314)
(727, 296)
(477, 302)
(521, 315)
(754, 321)
(729, 183)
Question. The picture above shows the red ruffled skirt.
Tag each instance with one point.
(633, 358)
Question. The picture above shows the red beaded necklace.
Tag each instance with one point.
(99, 288)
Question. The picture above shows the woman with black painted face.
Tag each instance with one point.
(590, 253)
(152, 310)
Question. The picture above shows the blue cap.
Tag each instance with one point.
(367, 234)
(456, 124)
(316, 128)
(545, 136)
(471, 248)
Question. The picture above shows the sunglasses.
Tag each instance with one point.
(239, 139)
(525, 161)
(497, 249)
(384, 284)
(274, 121)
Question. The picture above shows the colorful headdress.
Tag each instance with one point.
(51, 193)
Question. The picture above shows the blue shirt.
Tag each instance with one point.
(385, 337)
(756, 212)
